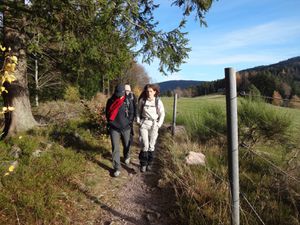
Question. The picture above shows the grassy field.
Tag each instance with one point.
(193, 106)
(190, 106)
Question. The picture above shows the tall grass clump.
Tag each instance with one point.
(201, 191)
(76, 135)
(259, 121)
(265, 136)
(268, 194)
(209, 124)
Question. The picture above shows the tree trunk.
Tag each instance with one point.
(36, 78)
(21, 118)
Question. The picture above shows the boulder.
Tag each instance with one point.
(195, 158)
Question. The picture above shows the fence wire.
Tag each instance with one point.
(272, 164)
(241, 193)
(252, 207)
(268, 97)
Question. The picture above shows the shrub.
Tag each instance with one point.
(95, 112)
(208, 124)
(57, 111)
(259, 121)
(254, 93)
(72, 94)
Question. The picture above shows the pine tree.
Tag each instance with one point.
(89, 40)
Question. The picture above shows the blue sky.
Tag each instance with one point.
(240, 34)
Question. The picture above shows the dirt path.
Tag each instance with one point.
(139, 200)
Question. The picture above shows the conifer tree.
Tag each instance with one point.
(89, 39)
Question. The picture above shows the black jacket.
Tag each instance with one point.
(124, 117)
(131, 97)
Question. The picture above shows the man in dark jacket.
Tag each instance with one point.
(130, 96)
(119, 115)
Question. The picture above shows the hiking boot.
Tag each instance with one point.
(149, 168)
(117, 173)
(143, 169)
(127, 161)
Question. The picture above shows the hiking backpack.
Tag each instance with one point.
(156, 105)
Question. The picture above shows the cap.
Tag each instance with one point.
(127, 87)
(119, 90)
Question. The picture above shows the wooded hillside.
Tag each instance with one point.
(281, 79)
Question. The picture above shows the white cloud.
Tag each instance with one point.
(269, 33)
(251, 44)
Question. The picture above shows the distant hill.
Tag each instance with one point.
(283, 77)
(173, 84)
(287, 70)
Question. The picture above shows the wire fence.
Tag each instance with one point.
(243, 94)
(241, 193)
(250, 149)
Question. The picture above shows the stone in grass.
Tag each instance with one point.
(195, 158)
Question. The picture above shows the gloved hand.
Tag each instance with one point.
(138, 121)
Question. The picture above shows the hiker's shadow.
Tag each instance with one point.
(102, 165)
(104, 206)
(75, 141)
(129, 168)
(111, 171)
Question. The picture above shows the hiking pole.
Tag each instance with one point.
(232, 142)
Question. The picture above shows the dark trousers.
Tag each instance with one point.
(115, 137)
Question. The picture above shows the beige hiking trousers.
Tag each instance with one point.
(148, 134)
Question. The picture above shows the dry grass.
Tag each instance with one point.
(201, 192)
(269, 181)
(57, 111)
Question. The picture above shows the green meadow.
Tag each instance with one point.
(189, 109)
(190, 106)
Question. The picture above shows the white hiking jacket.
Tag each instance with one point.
(149, 111)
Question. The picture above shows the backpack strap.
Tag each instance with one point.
(142, 106)
(156, 105)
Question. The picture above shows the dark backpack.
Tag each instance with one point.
(130, 98)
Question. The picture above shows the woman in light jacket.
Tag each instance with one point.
(150, 117)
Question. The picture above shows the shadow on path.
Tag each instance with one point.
(104, 206)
